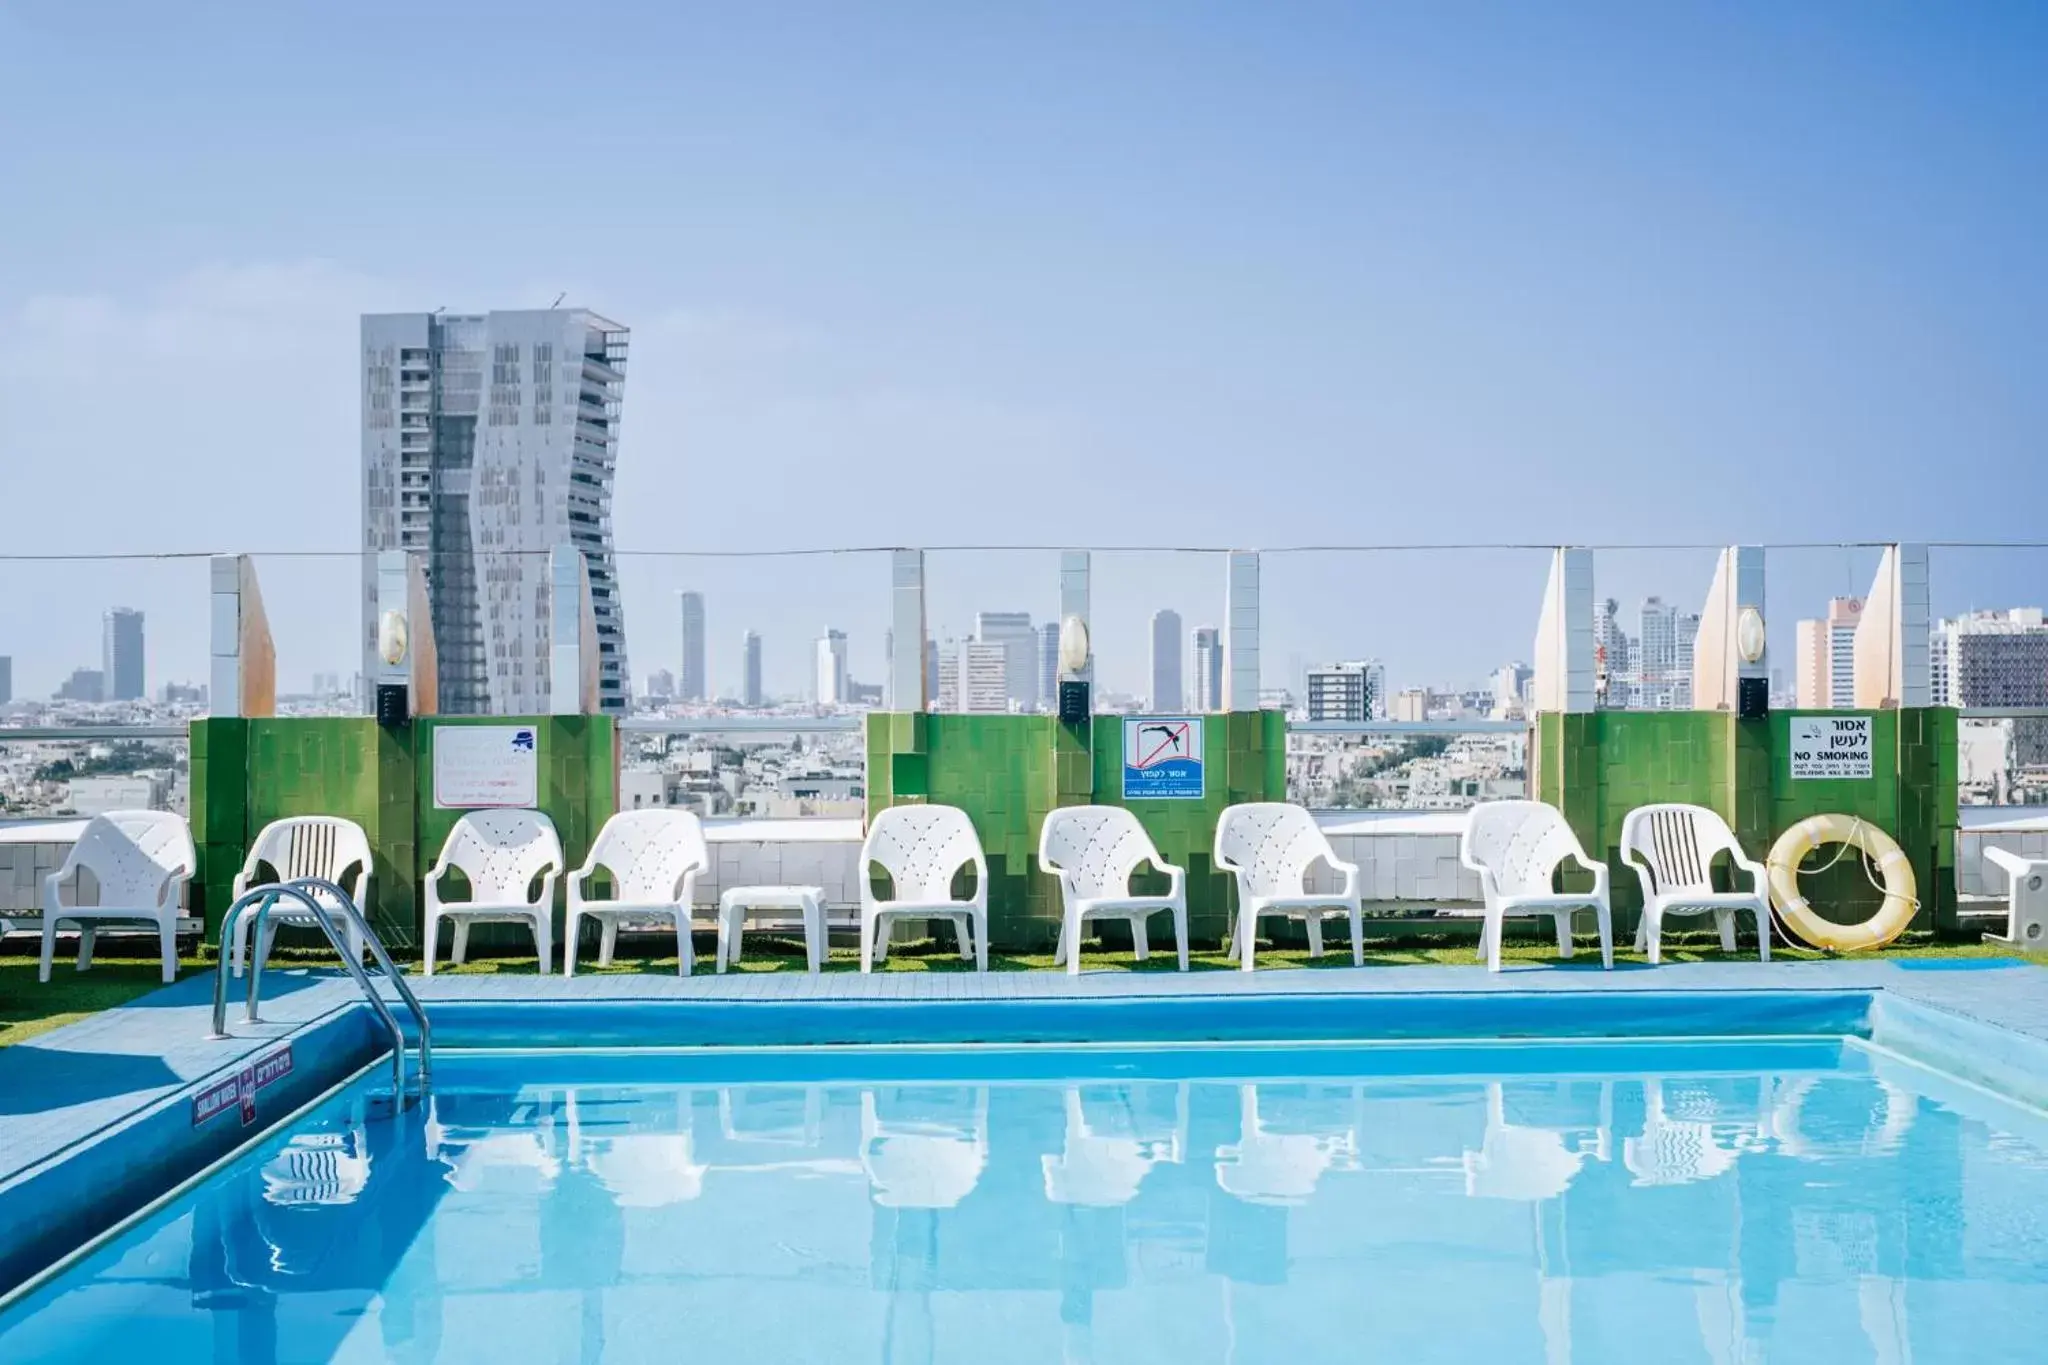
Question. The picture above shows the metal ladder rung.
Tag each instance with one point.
(302, 889)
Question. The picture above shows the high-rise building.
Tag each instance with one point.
(974, 676)
(1012, 630)
(750, 677)
(6, 679)
(1049, 666)
(1688, 643)
(121, 655)
(1510, 683)
(661, 685)
(1344, 691)
(1826, 656)
(931, 674)
(1613, 656)
(489, 440)
(1412, 705)
(1208, 668)
(1656, 655)
(84, 684)
(828, 687)
(1995, 658)
(1167, 693)
(691, 684)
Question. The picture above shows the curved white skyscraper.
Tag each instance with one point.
(488, 440)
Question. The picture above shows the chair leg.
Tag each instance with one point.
(432, 941)
(239, 947)
(1651, 932)
(1180, 935)
(686, 951)
(572, 930)
(1564, 933)
(266, 939)
(461, 953)
(167, 937)
(1247, 938)
(814, 935)
(544, 941)
(1724, 920)
(608, 940)
(1494, 931)
(1141, 939)
(1070, 942)
(1763, 935)
(981, 943)
(966, 937)
(49, 947)
(867, 942)
(1314, 923)
(88, 937)
(1603, 918)
(1357, 934)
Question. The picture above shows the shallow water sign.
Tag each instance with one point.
(1830, 747)
(1163, 758)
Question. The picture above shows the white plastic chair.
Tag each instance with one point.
(501, 852)
(654, 857)
(1093, 850)
(922, 848)
(1270, 847)
(1516, 847)
(1672, 848)
(323, 846)
(2026, 897)
(141, 860)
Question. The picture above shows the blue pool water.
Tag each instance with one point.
(1595, 1203)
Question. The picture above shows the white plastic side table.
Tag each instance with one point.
(734, 904)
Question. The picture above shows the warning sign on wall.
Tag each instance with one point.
(1163, 758)
(1831, 746)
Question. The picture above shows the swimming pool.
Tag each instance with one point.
(1810, 1198)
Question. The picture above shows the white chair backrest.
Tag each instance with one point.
(921, 847)
(132, 853)
(1274, 844)
(1098, 847)
(648, 852)
(1677, 843)
(502, 851)
(1520, 842)
(323, 846)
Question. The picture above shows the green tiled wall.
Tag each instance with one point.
(1596, 767)
(1008, 772)
(246, 773)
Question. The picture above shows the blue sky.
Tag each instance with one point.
(1098, 274)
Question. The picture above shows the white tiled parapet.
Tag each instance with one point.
(1403, 857)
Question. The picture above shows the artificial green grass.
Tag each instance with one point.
(29, 1008)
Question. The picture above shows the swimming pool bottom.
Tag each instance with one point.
(1717, 1201)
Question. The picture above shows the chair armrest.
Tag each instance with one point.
(167, 894)
(548, 876)
(1349, 871)
(1176, 877)
(1760, 876)
(1597, 868)
(980, 879)
(2014, 865)
(577, 879)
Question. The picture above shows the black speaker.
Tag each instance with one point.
(1752, 698)
(394, 708)
(1073, 702)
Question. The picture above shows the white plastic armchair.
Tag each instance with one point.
(502, 853)
(2026, 897)
(1516, 848)
(1093, 850)
(1672, 848)
(1270, 847)
(654, 857)
(141, 860)
(922, 848)
(323, 846)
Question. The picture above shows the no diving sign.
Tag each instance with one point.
(1830, 747)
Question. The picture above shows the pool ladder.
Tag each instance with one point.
(265, 898)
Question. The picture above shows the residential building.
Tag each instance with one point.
(1049, 666)
(692, 684)
(1688, 643)
(1656, 662)
(931, 674)
(1208, 668)
(121, 655)
(1341, 692)
(84, 684)
(1012, 630)
(661, 685)
(1167, 692)
(828, 686)
(1613, 656)
(6, 679)
(750, 675)
(1825, 652)
(1411, 705)
(1510, 684)
(489, 440)
(974, 676)
(1994, 659)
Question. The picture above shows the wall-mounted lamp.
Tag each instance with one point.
(1073, 645)
(391, 638)
(1749, 635)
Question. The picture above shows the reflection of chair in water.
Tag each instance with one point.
(1525, 1162)
(786, 1115)
(1279, 1161)
(1103, 1163)
(1882, 1128)
(318, 1168)
(924, 1155)
(1680, 1148)
(641, 1169)
(471, 1153)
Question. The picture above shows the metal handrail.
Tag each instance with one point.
(301, 889)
